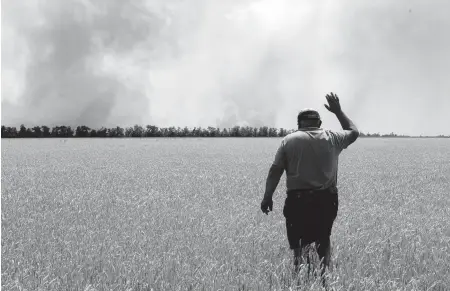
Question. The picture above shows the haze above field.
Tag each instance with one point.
(224, 63)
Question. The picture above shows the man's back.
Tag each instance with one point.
(310, 157)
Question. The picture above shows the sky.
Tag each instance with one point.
(225, 63)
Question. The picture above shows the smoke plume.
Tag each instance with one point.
(225, 63)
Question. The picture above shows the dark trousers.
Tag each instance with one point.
(310, 216)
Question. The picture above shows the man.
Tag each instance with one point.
(310, 158)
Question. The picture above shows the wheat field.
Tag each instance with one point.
(183, 214)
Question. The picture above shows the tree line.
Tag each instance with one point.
(155, 131)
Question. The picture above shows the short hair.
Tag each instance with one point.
(308, 114)
(309, 123)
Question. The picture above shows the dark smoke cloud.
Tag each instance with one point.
(65, 78)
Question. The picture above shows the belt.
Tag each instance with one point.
(301, 192)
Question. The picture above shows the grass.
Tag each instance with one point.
(183, 214)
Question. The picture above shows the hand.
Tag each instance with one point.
(333, 103)
(266, 205)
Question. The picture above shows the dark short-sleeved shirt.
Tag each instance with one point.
(310, 157)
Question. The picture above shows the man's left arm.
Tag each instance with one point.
(272, 181)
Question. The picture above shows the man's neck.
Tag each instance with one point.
(309, 128)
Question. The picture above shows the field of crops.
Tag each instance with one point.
(183, 214)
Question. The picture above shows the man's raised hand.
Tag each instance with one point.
(333, 103)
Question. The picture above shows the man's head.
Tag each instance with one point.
(308, 118)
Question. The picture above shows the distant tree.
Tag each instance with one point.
(56, 131)
(102, 132)
(61, 131)
(249, 131)
(120, 132)
(263, 131)
(115, 132)
(197, 131)
(129, 132)
(241, 131)
(208, 131)
(65, 131)
(186, 132)
(212, 131)
(138, 131)
(45, 131)
(203, 132)
(194, 132)
(29, 133)
(179, 131)
(70, 131)
(82, 131)
(272, 132)
(234, 131)
(110, 132)
(172, 131)
(244, 131)
(37, 132)
(22, 131)
(151, 131)
(225, 133)
(9, 132)
(13, 132)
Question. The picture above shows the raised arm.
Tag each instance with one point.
(347, 124)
